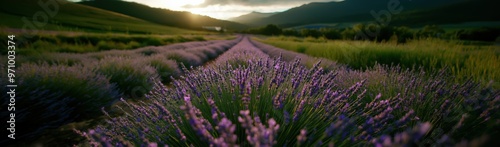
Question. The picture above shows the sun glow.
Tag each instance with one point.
(220, 11)
(180, 3)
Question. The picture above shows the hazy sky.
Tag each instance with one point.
(224, 9)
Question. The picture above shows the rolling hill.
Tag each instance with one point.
(250, 18)
(360, 11)
(77, 17)
(162, 16)
(463, 12)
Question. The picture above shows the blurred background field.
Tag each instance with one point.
(463, 59)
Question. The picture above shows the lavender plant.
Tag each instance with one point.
(291, 56)
(50, 96)
(178, 46)
(277, 103)
(148, 51)
(211, 51)
(240, 54)
(134, 79)
(112, 53)
(183, 57)
(59, 88)
(68, 59)
(165, 68)
(193, 57)
(433, 98)
(188, 45)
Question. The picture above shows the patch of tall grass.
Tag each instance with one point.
(481, 63)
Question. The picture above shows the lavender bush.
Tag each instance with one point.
(203, 53)
(432, 97)
(165, 68)
(183, 57)
(132, 78)
(112, 53)
(59, 88)
(266, 104)
(193, 57)
(240, 54)
(273, 102)
(68, 59)
(291, 56)
(209, 52)
(148, 51)
(50, 96)
(189, 45)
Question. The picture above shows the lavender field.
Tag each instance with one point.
(242, 73)
(242, 92)
(245, 93)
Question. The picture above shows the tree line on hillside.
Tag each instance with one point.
(380, 33)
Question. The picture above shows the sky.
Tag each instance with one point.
(225, 9)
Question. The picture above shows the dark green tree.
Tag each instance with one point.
(330, 33)
(431, 31)
(310, 33)
(290, 32)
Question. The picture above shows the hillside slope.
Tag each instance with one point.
(345, 11)
(251, 18)
(162, 16)
(77, 17)
(467, 11)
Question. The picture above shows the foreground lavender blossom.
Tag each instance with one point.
(261, 101)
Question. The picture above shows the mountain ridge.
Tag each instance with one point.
(162, 16)
(345, 11)
(249, 18)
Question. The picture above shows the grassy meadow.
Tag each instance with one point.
(462, 59)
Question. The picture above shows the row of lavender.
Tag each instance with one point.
(290, 56)
(249, 99)
(56, 89)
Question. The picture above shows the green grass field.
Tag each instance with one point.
(469, 25)
(80, 18)
(479, 62)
